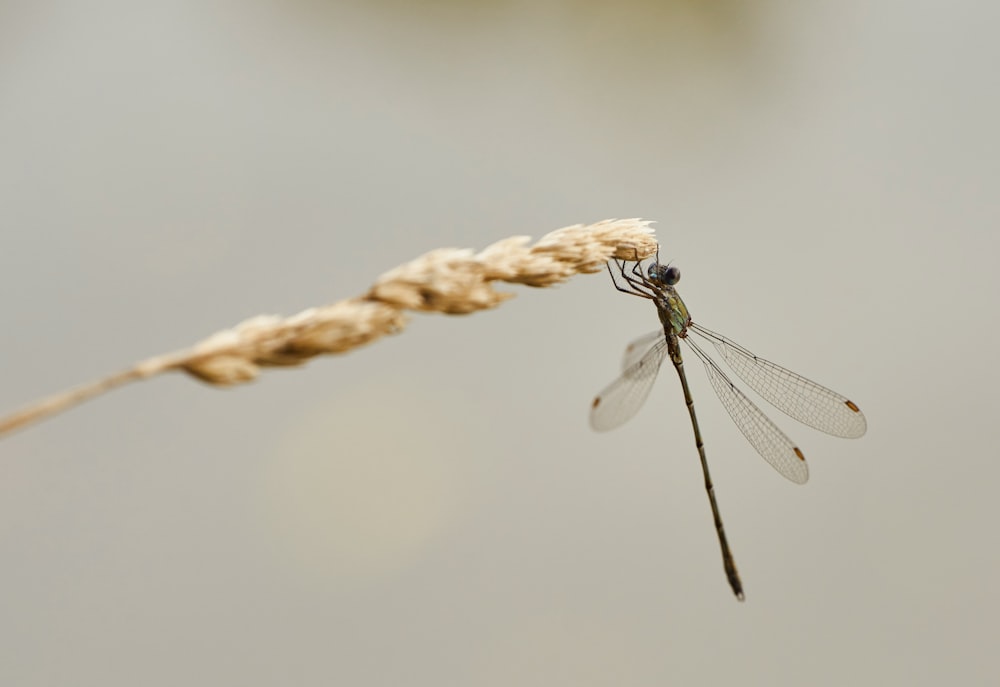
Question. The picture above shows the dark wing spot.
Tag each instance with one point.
(799, 454)
(597, 402)
(850, 404)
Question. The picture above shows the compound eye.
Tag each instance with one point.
(671, 275)
(653, 271)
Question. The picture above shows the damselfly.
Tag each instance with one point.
(796, 396)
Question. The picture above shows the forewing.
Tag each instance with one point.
(765, 436)
(791, 393)
(621, 399)
(638, 348)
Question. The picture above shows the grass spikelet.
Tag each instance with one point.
(448, 280)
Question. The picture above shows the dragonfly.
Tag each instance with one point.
(798, 397)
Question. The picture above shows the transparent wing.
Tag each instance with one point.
(792, 394)
(635, 350)
(771, 443)
(621, 399)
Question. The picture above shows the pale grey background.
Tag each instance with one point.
(433, 509)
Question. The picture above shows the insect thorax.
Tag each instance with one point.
(672, 311)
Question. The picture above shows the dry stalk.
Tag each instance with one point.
(449, 280)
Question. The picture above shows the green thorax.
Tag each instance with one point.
(673, 313)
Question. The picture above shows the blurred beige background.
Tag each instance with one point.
(433, 509)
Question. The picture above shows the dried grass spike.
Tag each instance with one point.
(449, 280)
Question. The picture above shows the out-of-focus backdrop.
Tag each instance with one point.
(434, 509)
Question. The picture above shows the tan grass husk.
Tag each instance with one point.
(448, 280)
